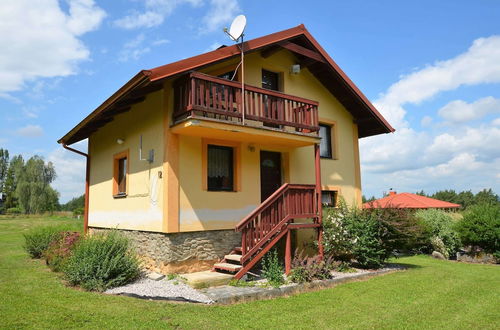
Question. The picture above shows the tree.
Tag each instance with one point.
(465, 198)
(74, 203)
(4, 165)
(486, 196)
(16, 167)
(33, 190)
(446, 195)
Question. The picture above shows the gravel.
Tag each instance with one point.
(161, 290)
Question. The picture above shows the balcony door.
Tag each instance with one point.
(270, 173)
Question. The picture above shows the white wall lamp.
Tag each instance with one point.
(295, 69)
(120, 141)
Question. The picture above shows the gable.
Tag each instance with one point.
(297, 40)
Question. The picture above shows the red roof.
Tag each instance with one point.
(409, 201)
(370, 121)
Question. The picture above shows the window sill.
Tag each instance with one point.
(121, 195)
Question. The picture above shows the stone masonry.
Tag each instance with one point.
(181, 252)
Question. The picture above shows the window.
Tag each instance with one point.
(270, 80)
(120, 173)
(329, 198)
(220, 168)
(228, 75)
(325, 146)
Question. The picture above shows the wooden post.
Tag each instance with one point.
(317, 163)
(288, 252)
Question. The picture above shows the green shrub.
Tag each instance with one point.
(60, 249)
(102, 261)
(78, 211)
(352, 233)
(13, 210)
(440, 229)
(480, 227)
(272, 269)
(308, 269)
(38, 239)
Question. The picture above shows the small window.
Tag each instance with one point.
(270, 80)
(220, 168)
(228, 75)
(329, 198)
(325, 147)
(120, 168)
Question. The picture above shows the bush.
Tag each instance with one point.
(272, 270)
(308, 269)
(440, 229)
(13, 210)
(102, 261)
(78, 212)
(38, 239)
(60, 249)
(351, 233)
(480, 227)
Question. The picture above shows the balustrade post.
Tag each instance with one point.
(288, 252)
(317, 161)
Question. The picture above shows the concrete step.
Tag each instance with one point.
(233, 257)
(227, 267)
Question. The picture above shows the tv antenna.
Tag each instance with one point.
(236, 34)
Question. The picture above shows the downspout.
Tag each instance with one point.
(319, 205)
(87, 176)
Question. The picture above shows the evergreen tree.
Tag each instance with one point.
(446, 195)
(486, 196)
(4, 165)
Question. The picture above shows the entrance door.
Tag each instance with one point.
(270, 173)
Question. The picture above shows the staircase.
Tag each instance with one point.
(268, 223)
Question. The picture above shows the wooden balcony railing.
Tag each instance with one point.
(201, 95)
(269, 219)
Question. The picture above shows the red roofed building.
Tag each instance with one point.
(409, 201)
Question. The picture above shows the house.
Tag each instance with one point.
(175, 162)
(410, 201)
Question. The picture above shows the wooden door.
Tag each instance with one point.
(270, 173)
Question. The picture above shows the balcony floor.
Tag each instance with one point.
(233, 131)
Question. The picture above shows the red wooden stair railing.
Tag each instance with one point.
(272, 219)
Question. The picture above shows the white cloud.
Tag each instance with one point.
(422, 159)
(134, 49)
(426, 121)
(42, 39)
(30, 131)
(70, 169)
(459, 111)
(478, 65)
(220, 12)
(154, 13)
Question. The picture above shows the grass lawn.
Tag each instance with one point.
(430, 294)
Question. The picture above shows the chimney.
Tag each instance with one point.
(392, 193)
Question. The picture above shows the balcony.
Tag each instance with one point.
(203, 97)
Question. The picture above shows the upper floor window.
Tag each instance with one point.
(270, 80)
(325, 147)
(228, 75)
(220, 168)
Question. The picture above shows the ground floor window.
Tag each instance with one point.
(220, 168)
(329, 198)
(120, 172)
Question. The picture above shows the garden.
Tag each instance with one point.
(431, 293)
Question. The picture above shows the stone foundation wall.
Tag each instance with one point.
(181, 252)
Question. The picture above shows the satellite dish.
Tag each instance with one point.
(237, 27)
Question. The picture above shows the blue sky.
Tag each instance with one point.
(431, 67)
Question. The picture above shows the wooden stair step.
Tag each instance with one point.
(228, 267)
(237, 249)
(233, 257)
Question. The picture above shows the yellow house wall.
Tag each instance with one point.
(142, 209)
(188, 207)
(341, 173)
